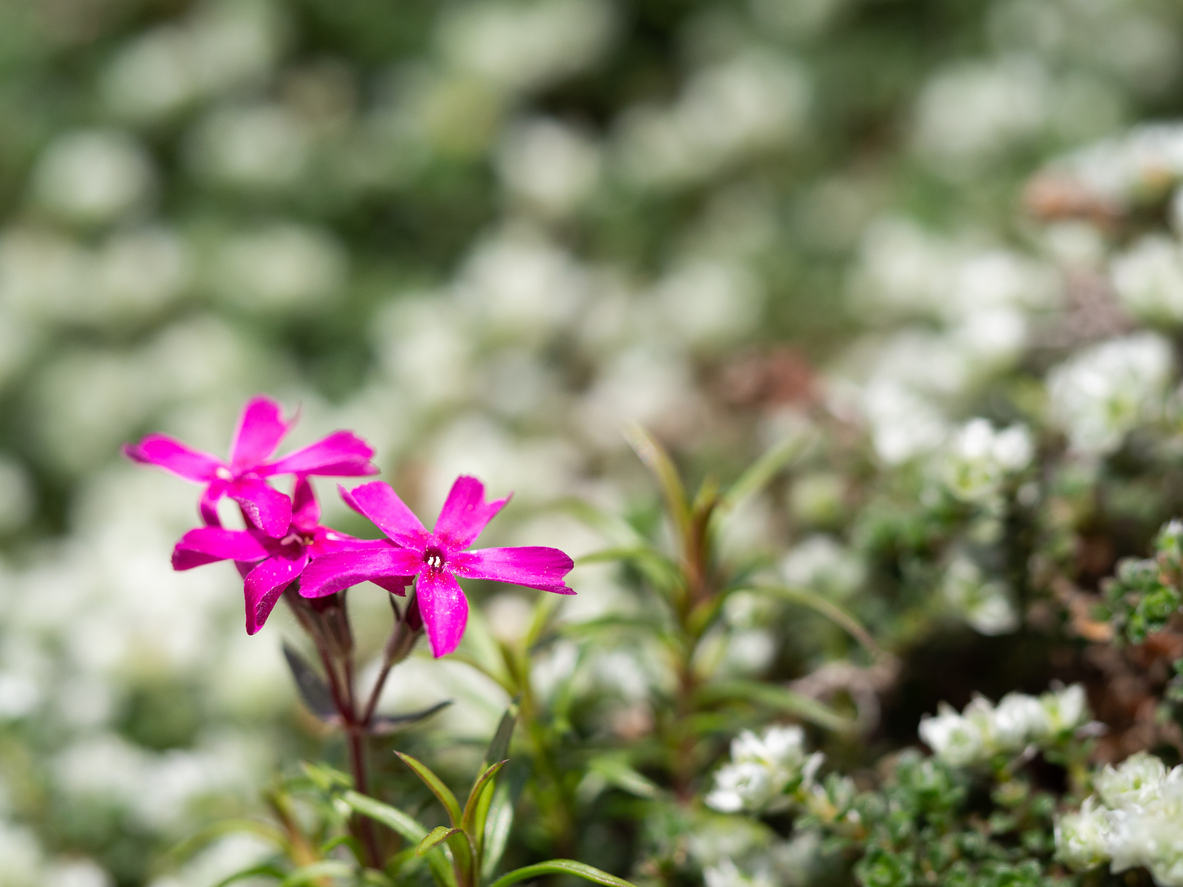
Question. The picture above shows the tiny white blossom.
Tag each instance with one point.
(763, 770)
(1082, 839)
(1103, 392)
(1066, 709)
(1148, 279)
(1018, 720)
(952, 738)
(1135, 781)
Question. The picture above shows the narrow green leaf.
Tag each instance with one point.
(826, 608)
(326, 868)
(383, 725)
(436, 836)
(257, 871)
(264, 830)
(343, 840)
(619, 774)
(610, 525)
(324, 777)
(467, 820)
(499, 746)
(498, 820)
(391, 817)
(433, 782)
(657, 460)
(775, 697)
(407, 826)
(544, 609)
(561, 867)
(314, 692)
(765, 469)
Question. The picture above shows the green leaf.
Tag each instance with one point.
(499, 746)
(619, 774)
(775, 697)
(657, 460)
(391, 817)
(826, 608)
(619, 531)
(765, 469)
(403, 824)
(314, 692)
(544, 609)
(433, 782)
(253, 872)
(314, 873)
(324, 777)
(383, 725)
(436, 836)
(484, 781)
(498, 821)
(561, 867)
(264, 830)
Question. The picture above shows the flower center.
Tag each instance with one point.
(434, 558)
(224, 473)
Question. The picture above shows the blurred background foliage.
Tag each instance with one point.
(487, 236)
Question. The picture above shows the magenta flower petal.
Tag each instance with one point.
(266, 582)
(265, 507)
(209, 502)
(532, 566)
(305, 508)
(343, 569)
(341, 454)
(380, 503)
(174, 456)
(206, 545)
(465, 512)
(393, 584)
(260, 430)
(444, 608)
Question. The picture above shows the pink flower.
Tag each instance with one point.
(260, 430)
(437, 557)
(270, 565)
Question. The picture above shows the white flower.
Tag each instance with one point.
(1103, 392)
(978, 459)
(1136, 780)
(822, 564)
(952, 738)
(1082, 839)
(1148, 279)
(1018, 720)
(1066, 709)
(550, 164)
(523, 46)
(94, 176)
(973, 111)
(983, 603)
(281, 267)
(764, 769)
(746, 785)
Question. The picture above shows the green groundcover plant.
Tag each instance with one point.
(880, 585)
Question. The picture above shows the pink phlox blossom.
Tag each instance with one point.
(436, 557)
(260, 429)
(270, 564)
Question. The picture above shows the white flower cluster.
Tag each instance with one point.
(1102, 393)
(979, 458)
(1018, 721)
(1134, 819)
(1125, 169)
(764, 771)
(1148, 279)
(984, 603)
